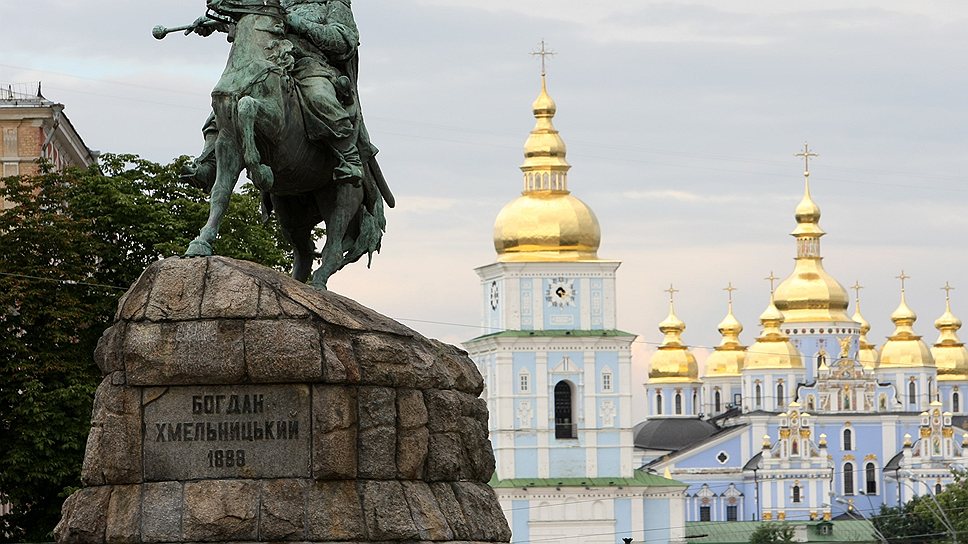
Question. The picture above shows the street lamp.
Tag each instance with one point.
(943, 517)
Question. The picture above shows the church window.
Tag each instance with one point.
(780, 399)
(732, 512)
(658, 404)
(524, 382)
(810, 402)
(821, 358)
(607, 381)
(796, 493)
(870, 478)
(955, 402)
(938, 488)
(722, 457)
(759, 396)
(848, 478)
(695, 401)
(564, 422)
(848, 439)
(718, 401)
(912, 392)
(678, 403)
(705, 513)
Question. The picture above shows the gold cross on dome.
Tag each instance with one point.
(947, 290)
(729, 290)
(857, 287)
(544, 53)
(903, 277)
(672, 293)
(772, 279)
(806, 154)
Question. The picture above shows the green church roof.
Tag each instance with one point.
(641, 479)
(738, 532)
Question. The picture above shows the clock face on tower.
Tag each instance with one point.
(561, 293)
(495, 295)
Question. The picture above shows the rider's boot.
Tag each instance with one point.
(201, 172)
(350, 167)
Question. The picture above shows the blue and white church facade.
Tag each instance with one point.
(810, 421)
(558, 370)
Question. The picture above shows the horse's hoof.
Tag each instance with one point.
(199, 248)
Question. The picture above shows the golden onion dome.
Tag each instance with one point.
(546, 223)
(809, 294)
(949, 352)
(728, 357)
(904, 348)
(673, 362)
(773, 349)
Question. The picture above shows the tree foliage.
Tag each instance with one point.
(772, 533)
(924, 519)
(69, 246)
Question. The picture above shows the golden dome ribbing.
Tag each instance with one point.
(773, 349)
(810, 294)
(673, 362)
(546, 223)
(728, 357)
(949, 352)
(904, 348)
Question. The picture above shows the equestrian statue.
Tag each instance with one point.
(287, 111)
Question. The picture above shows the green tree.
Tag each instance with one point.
(772, 533)
(69, 246)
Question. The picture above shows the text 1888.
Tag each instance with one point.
(226, 458)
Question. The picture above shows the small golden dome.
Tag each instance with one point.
(866, 352)
(773, 349)
(728, 357)
(904, 348)
(673, 362)
(546, 223)
(950, 355)
(810, 294)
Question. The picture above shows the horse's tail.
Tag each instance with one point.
(369, 236)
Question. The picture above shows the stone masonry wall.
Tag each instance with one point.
(241, 406)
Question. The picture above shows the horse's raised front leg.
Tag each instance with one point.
(229, 164)
(346, 205)
(260, 174)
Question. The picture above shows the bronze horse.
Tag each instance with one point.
(261, 130)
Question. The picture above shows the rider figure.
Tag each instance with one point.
(325, 40)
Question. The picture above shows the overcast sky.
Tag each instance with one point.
(681, 120)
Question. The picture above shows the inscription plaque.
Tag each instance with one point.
(239, 431)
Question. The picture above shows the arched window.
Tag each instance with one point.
(695, 401)
(718, 401)
(678, 403)
(759, 396)
(938, 488)
(912, 393)
(848, 439)
(955, 402)
(796, 493)
(780, 399)
(658, 404)
(870, 477)
(564, 422)
(848, 478)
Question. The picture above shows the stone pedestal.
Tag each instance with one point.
(241, 406)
